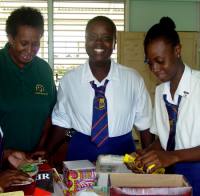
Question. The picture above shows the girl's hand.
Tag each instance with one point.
(159, 158)
(11, 177)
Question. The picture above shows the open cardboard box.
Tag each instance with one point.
(148, 184)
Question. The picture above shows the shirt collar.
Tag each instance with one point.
(87, 75)
(183, 87)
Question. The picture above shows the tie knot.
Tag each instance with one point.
(100, 89)
(170, 104)
(172, 109)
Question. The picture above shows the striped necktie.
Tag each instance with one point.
(173, 116)
(99, 131)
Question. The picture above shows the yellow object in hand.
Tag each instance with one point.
(129, 159)
(151, 166)
(157, 171)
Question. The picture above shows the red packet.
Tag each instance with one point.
(44, 167)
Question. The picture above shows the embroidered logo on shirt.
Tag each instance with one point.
(40, 90)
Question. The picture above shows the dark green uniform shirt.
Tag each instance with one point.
(27, 97)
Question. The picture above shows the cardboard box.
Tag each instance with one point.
(15, 193)
(79, 175)
(148, 184)
(111, 164)
(101, 187)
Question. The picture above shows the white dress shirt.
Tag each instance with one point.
(128, 102)
(188, 123)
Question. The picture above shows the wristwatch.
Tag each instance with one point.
(69, 133)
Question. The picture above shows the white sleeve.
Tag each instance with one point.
(143, 108)
(60, 114)
(153, 128)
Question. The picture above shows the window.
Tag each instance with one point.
(67, 37)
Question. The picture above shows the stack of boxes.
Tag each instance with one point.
(81, 176)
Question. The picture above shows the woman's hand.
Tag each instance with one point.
(11, 177)
(17, 158)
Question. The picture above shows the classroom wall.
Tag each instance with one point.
(144, 13)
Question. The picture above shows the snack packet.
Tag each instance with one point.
(129, 160)
(29, 168)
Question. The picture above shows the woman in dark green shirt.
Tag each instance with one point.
(27, 88)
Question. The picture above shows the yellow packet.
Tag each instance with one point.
(128, 159)
(157, 171)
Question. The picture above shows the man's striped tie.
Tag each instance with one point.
(99, 131)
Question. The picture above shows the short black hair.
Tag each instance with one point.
(164, 29)
(103, 19)
(24, 16)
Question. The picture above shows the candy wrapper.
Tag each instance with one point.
(129, 160)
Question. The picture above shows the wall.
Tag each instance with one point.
(144, 13)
